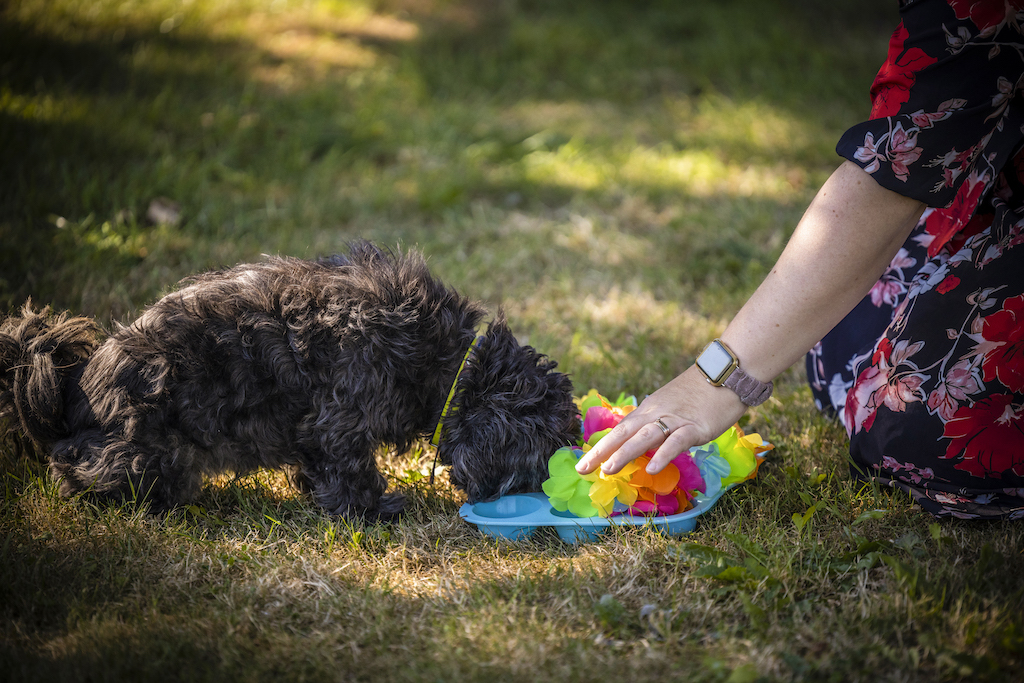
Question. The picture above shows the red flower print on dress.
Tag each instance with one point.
(880, 384)
(1016, 234)
(942, 224)
(962, 380)
(883, 353)
(953, 164)
(952, 499)
(1003, 355)
(862, 400)
(987, 15)
(988, 437)
(891, 87)
(948, 285)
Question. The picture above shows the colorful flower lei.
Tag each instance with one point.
(694, 475)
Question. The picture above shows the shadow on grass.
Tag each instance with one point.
(64, 151)
(107, 610)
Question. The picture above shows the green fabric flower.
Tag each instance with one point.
(566, 488)
(741, 451)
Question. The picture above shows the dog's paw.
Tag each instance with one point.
(390, 508)
(298, 479)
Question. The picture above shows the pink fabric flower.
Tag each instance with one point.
(598, 419)
(689, 473)
(962, 380)
(886, 292)
(904, 151)
(664, 505)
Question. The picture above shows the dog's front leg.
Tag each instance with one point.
(340, 470)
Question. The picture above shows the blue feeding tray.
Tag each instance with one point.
(518, 516)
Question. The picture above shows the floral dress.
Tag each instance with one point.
(927, 372)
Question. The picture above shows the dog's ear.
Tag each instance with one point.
(512, 411)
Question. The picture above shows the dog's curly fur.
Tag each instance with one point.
(309, 366)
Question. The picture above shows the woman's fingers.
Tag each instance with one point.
(684, 413)
(682, 439)
(645, 437)
(609, 444)
(649, 437)
(644, 429)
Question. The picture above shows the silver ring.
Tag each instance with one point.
(663, 427)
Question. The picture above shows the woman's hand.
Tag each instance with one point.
(693, 411)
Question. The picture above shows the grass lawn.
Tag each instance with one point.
(618, 175)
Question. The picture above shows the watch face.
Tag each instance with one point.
(715, 361)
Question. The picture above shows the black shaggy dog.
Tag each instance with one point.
(309, 366)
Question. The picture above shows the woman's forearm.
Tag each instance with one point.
(841, 246)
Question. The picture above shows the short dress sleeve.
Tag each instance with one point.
(947, 114)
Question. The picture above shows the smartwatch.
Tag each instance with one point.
(721, 367)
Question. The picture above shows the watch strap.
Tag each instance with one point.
(752, 391)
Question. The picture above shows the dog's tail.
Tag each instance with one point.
(39, 351)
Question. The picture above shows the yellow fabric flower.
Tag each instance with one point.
(606, 488)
